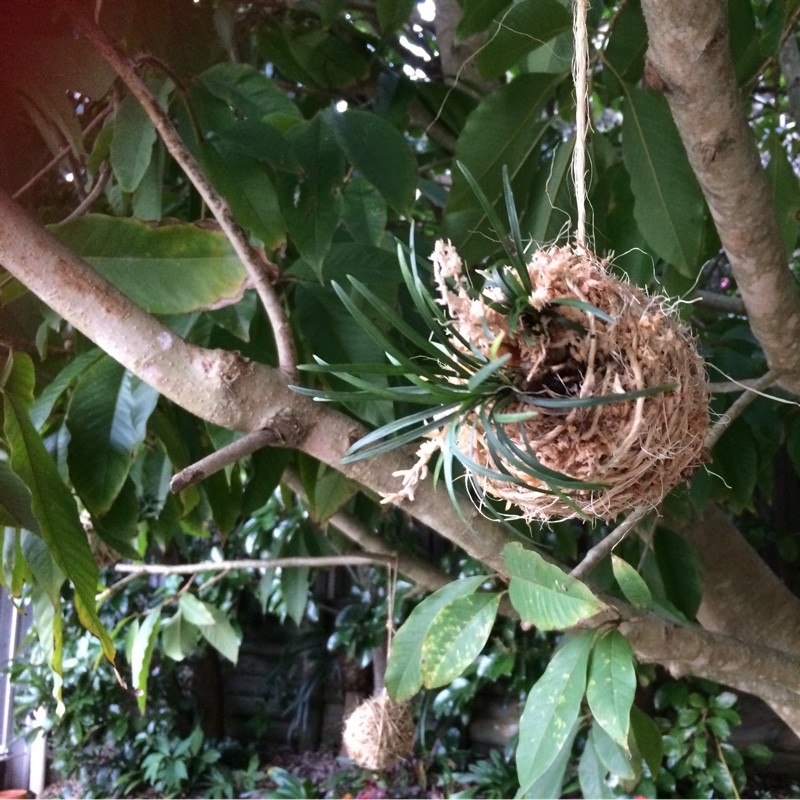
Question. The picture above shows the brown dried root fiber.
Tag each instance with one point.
(379, 733)
(638, 449)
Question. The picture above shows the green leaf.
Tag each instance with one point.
(670, 207)
(327, 490)
(403, 670)
(680, 570)
(627, 44)
(380, 153)
(543, 593)
(616, 758)
(47, 622)
(221, 635)
(44, 570)
(194, 610)
(311, 204)
(168, 269)
(365, 217)
(15, 501)
(106, 418)
(141, 654)
(456, 637)
(393, 13)
(247, 91)
(295, 582)
(528, 25)
(179, 637)
(632, 584)
(592, 774)
(51, 501)
(550, 784)
(505, 128)
(477, 14)
(612, 684)
(262, 141)
(246, 184)
(551, 710)
(647, 739)
(134, 136)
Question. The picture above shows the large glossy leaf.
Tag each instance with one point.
(528, 25)
(107, 418)
(179, 637)
(380, 153)
(551, 710)
(15, 501)
(646, 738)
(477, 14)
(403, 670)
(627, 45)
(785, 193)
(261, 141)
(549, 785)
(612, 684)
(144, 643)
(616, 759)
(47, 622)
(43, 569)
(312, 203)
(134, 136)
(544, 594)
(505, 129)
(246, 184)
(679, 569)
(247, 90)
(364, 211)
(632, 584)
(552, 198)
(167, 269)
(51, 501)
(221, 635)
(456, 637)
(393, 13)
(669, 203)
(592, 773)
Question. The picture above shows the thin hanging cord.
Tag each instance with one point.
(580, 69)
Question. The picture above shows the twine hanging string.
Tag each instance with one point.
(580, 70)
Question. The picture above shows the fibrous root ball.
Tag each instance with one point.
(379, 733)
(637, 449)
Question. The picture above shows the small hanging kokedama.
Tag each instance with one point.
(379, 733)
(582, 338)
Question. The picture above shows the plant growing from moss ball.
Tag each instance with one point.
(558, 388)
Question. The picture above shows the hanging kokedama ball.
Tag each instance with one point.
(578, 339)
(379, 733)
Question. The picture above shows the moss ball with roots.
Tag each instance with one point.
(638, 449)
(379, 733)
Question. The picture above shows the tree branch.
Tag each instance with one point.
(218, 206)
(689, 51)
(255, 563)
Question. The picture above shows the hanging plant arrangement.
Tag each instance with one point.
(560, 389)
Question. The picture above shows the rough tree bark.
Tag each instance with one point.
(689, 52)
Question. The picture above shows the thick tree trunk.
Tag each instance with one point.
(690, 55)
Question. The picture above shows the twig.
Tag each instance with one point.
(116, 587)
(60, 156)
(739, 405)
(220, 459)
(720, 302)
(603, 548)
(218, 206)
(99, 184)
(254, 563)
(728, 387)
